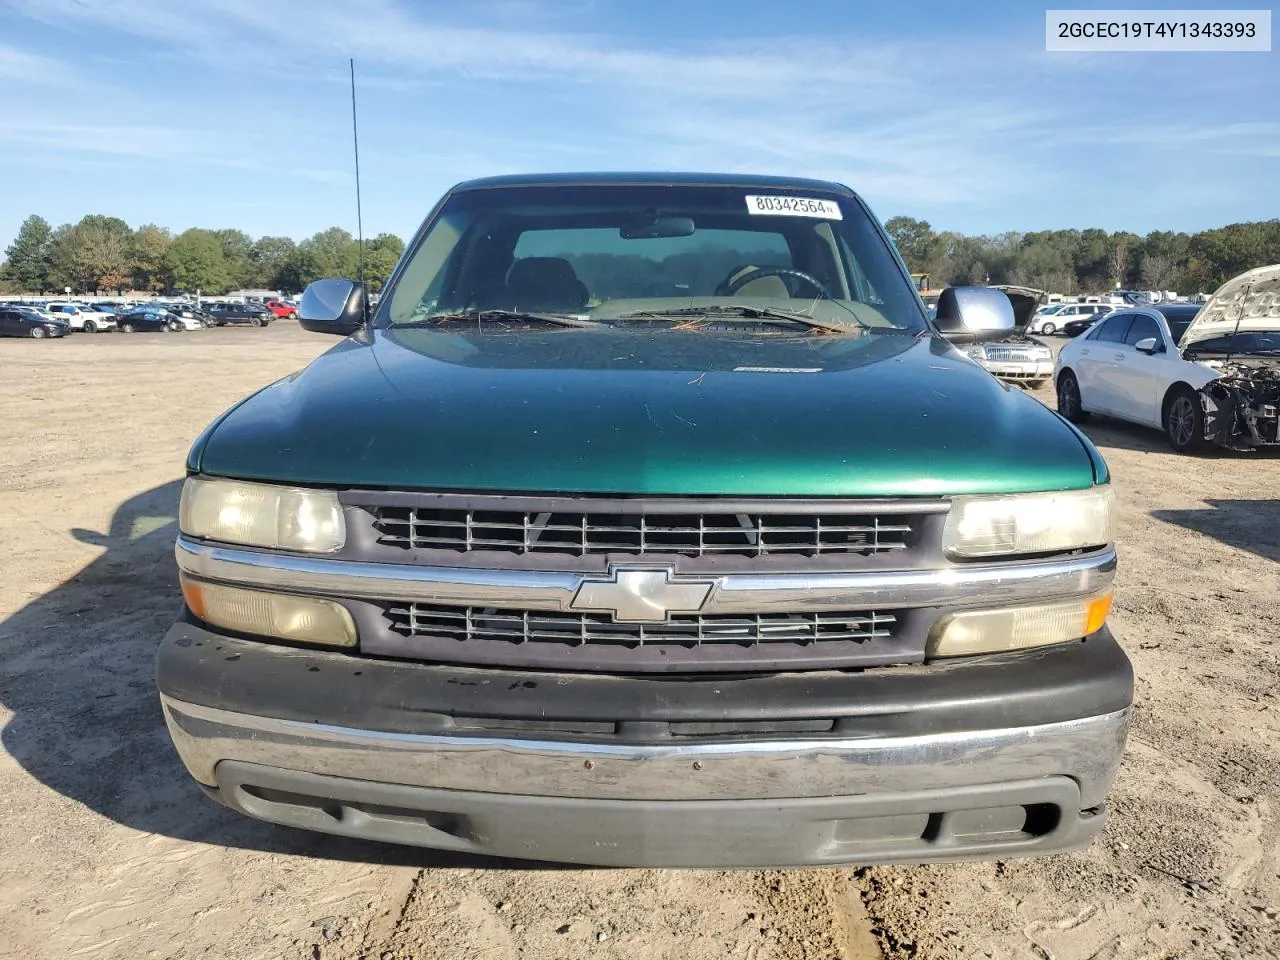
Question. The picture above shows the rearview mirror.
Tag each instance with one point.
(1147, 345)
(656, 227)
(332, 306)
(974, 314)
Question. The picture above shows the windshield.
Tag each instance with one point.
(610, 253)
(1179, 318)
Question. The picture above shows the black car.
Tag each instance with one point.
(254, 314)
(191, 312)
(20, 323)
(1073, 328)
(149, 319)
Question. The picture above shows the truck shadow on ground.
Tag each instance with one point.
(1252, 525)
(78, 675)
(1120, 434)
(1105, 432)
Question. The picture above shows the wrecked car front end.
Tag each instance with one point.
(1019, 358)
(1237, 335)
(1242, 407)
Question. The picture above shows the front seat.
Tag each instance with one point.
(545, 284)
(761, 286)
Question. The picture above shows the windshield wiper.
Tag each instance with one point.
(743, 310)
(480, 316)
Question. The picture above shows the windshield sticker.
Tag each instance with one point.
(794, 207)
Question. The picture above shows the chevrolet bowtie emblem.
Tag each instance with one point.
(645, 595)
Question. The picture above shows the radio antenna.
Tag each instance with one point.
(355, 143)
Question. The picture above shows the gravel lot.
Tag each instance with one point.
(110, 850)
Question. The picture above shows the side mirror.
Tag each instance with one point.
(332, 306)
(974, 314)
(1148, 345)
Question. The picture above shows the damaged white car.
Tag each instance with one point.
(1018, 358)
(1207, 376)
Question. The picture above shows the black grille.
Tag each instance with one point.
(693, 535)
(578, 629)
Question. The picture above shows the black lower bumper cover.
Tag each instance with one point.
(1027, 688)
(1068, 682)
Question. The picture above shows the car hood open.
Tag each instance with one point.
(1026, 301)
(1249, 303)
(640, 412)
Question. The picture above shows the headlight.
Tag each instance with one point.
(977, 353)
(262, 515)
(1029, 523)
(1017, 628)
(303, 619)
(1042, 353)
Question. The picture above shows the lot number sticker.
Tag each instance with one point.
(794, 207)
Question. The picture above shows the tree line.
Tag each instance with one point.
(1089, 261)
(102, 254)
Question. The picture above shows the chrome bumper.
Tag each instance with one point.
(979, 584)
(1087, 751)
(1030, 369)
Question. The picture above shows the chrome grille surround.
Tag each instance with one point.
(534, 581)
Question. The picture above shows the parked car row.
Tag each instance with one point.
(58, 318)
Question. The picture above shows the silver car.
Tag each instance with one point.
(1019, 358)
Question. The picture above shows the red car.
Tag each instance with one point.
(281, 309)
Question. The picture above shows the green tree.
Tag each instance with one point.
(329, 253)
(29, 259)
(1092, 259)
(380, 257)
(61, 246)
(1044, 264)
(92, 255)
(237, 251)
(915, 240)
(196, 262)
(270, 258)
(150, 258)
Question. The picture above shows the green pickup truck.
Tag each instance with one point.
(649, 520)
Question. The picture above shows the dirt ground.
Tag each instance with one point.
(109, 850)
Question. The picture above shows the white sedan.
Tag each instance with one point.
(1204, 375)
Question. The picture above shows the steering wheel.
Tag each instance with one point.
(735, 284)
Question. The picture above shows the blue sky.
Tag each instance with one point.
(235, 113)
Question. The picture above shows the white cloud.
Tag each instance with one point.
(23, 66)
(177, 147)
(868, 113)
(907, 124)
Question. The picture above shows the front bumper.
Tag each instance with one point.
(1019, 371)
(998, 757)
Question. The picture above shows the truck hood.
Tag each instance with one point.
(640, 412)
(1249, 303)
